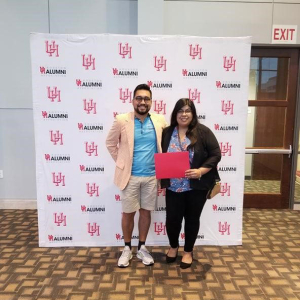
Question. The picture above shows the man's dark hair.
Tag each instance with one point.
(142, 86)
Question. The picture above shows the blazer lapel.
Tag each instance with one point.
(129, 127)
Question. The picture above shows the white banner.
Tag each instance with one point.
(80, 83)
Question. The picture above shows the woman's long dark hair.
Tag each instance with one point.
(192, 128)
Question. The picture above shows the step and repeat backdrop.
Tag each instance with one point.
(81, 82)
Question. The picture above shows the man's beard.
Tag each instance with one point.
(143, 112)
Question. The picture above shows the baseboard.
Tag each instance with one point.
(18, 204)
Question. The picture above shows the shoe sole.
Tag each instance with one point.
(125, 266)
(146, 264)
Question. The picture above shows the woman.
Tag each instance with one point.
(185, 197)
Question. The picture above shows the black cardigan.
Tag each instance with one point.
(207, 154)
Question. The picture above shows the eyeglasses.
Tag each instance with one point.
(187, 111)
(139, 99)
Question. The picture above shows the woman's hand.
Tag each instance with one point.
(193, 173)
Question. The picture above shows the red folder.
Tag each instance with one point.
(171, 165)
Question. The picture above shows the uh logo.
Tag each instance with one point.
(93, 229)
(196, 51)
(160, 63)
(58, 179)
(194, 95)
(92, 189)
(53, 94)
(125, 50)
(125, 95)
(160, 228)
(227, 107)
(56, 137)
(60, 219)
(52, 48)
(224, 228)
(91, 148)
(160, 107)
(229, 63)
(89, 106)
(88, 61)
(225, 149)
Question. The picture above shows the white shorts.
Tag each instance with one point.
(140, 192)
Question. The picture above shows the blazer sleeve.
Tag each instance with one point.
(113, 138)
(213, 150)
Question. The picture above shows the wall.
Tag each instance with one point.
(18, 18)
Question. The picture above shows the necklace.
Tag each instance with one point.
(179, 142)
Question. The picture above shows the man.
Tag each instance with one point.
(132, 142)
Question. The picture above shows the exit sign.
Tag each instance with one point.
(284, 34)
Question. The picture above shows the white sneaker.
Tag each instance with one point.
(145, 256)
(125, 257)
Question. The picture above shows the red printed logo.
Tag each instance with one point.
(52, 48)
(115, 71)
(229, 63)
(160, 228)
(160, 107)
(56, 137)
(60, 219)
(194, 95)
(88, 61)
(184, 72)
(47, 156)
(118, 236)
(182, 235)
(125, 95)
(93, 229)
(92, 189)
(225, 189)
(225, 148)
(50, 237)
(160, 63)
(117, 198)
(89, 106)
(58, 179)
(161, 192)
(149, 83)
(125, 50)
(196, 51)
(91, 148)
(49, 198)
(227, 107)
(224, 228)
(53, 94)
(44, 114)
(42, 70)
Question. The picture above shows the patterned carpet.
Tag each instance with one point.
(267, 266)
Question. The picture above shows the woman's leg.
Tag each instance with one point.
(174, 214)
(194, 205)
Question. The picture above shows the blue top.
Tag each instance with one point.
(179, 185)
(144, 148)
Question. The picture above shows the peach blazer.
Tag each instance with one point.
(120, 142)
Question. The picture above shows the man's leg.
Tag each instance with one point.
(130, 204)
(148, 203)
(144, 224)
(127, 226)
